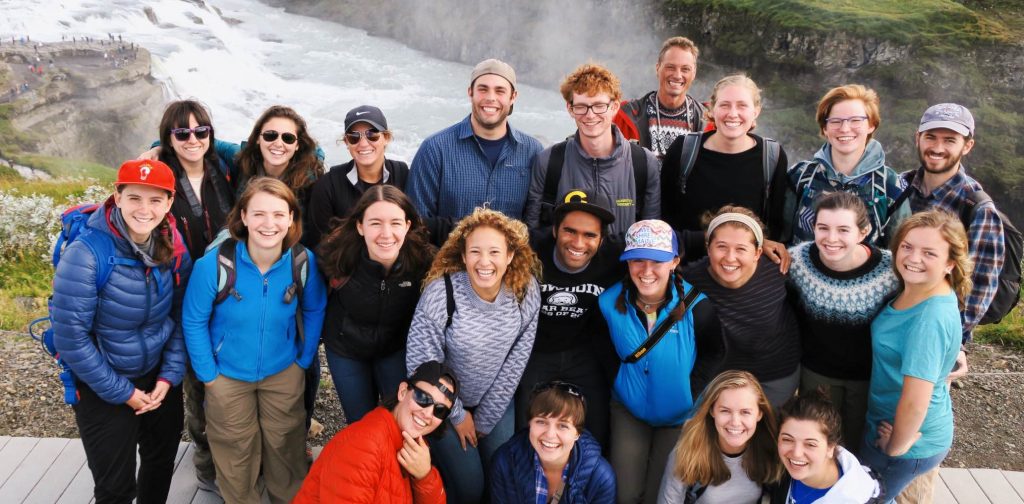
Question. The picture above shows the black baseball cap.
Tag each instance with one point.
(578, 200)
(431, 372)
(368, 114)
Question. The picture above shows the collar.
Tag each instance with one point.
(959, 179)
(353, 174)
(464, 130)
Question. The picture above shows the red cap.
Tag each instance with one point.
(145, 172)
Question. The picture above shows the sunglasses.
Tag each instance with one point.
(182, 134)
(569, 388)
(271, 135)
(425, 400)
(352, 137)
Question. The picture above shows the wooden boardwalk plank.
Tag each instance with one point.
(183, 482)
(942, 494)
(3, 441)
(31, 470)
(1016, 480)
(64, 469)
(995, 486)
(79, 491)
(962, 485)
(12, 454)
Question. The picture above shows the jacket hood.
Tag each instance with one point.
(855, 486)
(873, 159)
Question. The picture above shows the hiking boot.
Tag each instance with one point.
(208, 485)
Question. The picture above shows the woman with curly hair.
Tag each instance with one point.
(478, 315)
(374, 262)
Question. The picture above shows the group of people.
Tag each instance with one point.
(660, 308)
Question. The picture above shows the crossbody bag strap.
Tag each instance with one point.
(661, 330)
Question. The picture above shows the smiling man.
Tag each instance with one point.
(597, 159)
(578, 264)
(480, 161)
(658, 117)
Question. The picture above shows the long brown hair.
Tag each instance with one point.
(698, 456)
(340, 250)
(304, 167)
(275, 188)
(952, 231)
(523, 269)
(176, 116)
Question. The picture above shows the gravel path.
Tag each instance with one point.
(988, 404)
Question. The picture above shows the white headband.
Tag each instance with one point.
(742, 219)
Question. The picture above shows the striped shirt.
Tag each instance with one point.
(984, 236)
(451, 175)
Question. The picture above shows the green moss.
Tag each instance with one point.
(58, 190)
(62, 168)
(1010, 331)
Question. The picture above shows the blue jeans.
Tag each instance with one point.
(361, 383)
(466, 472)
(893, 473)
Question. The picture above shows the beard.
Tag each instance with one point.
(949, 164)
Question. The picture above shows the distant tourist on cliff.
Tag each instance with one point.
(658, 117)
(479, 161)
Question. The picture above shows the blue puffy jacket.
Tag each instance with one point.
(513, 478)
(124, 331)
(254, 337)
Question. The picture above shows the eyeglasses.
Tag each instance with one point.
(569, 388)
(182, 134)
(581, 109)
(425, 400)
(271, 135)
(372, 135)
(856, 122)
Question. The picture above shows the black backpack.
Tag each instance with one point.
(1008, 291)
(769, 158)
(554, 174)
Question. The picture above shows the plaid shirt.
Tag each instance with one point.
(541, 481)
(984, 236)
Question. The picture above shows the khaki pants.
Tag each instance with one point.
(249, 424)
(639, 453)
(919, 491)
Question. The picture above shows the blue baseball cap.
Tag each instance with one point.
(651, 239)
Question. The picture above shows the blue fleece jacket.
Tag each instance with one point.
(254, 337)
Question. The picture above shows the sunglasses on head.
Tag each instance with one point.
(425, 400)
(352, 137)
(182, 134)
(569, 388)
(271, 135)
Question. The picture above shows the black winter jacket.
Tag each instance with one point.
(334, 194)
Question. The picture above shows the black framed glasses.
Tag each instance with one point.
(581, 109)
(352, 137)
(425, 400)
(271, 135)
(855, 122)
(182, 134)
(564, 386)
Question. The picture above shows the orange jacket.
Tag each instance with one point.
(361, 465)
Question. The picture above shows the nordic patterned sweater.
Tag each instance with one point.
(482, 334)
(835, 310)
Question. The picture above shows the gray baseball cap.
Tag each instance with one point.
(949, 116)
(368, 114)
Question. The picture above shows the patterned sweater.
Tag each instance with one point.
(835, 310)
(476, 344)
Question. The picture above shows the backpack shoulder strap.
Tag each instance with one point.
(639, 156)
(659, 332)
(449, 292)
(102, 248)
(300, 273)
(770, 157)
(551, 178)
(226, 273)
(975, 199)
(691, 146)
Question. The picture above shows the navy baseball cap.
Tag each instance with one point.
(368, 114)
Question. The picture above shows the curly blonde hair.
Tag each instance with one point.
(953, 233)
(523, 269)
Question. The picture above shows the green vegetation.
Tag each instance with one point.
(62, 168)
(1009, 332)
(27, 276)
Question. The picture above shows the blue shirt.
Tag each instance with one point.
(451, 174)
(541, 481)
(921, 341)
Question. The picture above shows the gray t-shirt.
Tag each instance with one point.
(737, 490)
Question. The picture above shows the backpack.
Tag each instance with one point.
(691, 147)
(554, 174)
(227, 275)
(73, 228)
(1008, 291)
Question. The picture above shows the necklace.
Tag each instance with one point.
(648, 306)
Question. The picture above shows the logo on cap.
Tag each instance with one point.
(947, 110)
(576, 197)
(144, 171)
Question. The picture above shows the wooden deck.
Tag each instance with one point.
(53, 470)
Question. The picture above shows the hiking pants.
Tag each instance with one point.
(195, 424)
(639, 453)
(111, 434)
(250, 424)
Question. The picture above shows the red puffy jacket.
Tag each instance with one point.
(361, 465)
